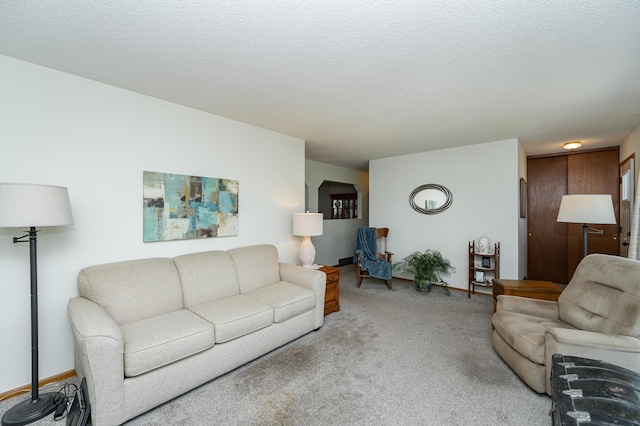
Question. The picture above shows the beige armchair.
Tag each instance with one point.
(597, 316)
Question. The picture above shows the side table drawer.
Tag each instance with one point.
(333, 277)
(332, 292)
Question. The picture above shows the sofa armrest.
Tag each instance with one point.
(99, 351)
(623, 351)
(312, 279)
(525, 305)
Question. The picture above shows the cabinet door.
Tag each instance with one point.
(547, 239)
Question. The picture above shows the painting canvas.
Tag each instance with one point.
(180, 207)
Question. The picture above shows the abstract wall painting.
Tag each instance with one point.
(181, 207)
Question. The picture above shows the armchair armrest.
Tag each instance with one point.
(623, 351)
(524, 305)
(592, 339)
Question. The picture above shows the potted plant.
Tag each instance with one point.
(427, 269)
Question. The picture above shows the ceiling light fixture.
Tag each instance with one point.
(572, 145)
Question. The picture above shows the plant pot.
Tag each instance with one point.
(422, 284)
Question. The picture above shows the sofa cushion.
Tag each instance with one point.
(235, 316)
(257, 266)
(133, 290)
(603, 296)
(207, 276)
(153, 342)
(524, 333)
(288, 300)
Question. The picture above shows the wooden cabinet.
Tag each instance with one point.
(483, 267)
(332, 293)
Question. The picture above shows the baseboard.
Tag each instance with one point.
(440, 285)
(27, 388)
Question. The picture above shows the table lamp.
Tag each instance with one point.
(307, 225)
(26, 205)
(585, 209)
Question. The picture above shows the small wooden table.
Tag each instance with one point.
(543, 290)
(332, 293)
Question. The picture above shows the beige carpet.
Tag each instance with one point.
(389, 357)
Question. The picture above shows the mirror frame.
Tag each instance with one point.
(441, 188)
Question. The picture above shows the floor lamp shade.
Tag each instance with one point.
(24, 205)
(307, 225)
(587, 209)
(34, 205)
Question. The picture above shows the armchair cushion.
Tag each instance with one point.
(525, 333)
(603, 296)
(524, 305)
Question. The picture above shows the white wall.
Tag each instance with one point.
(97, 140)
(630, 145)
(338, 237)
(484, 181)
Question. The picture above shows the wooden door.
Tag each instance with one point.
(595, 172)
(547, 240)
(555, 249)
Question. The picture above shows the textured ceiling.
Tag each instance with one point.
(360, 80)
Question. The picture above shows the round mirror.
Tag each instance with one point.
(430, 198)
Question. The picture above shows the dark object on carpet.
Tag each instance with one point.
(80, 411)
(590, 392)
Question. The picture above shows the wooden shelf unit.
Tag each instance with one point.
(483, 268)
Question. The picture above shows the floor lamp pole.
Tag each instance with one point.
(38, 406)
(585, 231)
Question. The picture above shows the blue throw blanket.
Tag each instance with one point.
(366, 246)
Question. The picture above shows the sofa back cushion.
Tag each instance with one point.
(603, 296)
(133, 290)
(207, 276)
(257, 266)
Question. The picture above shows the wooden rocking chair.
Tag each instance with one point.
(381, 253)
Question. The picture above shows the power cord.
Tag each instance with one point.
(63, 399)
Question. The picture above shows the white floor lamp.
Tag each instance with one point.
(585, 209)
(24, 205)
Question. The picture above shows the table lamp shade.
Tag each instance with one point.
(307, 224)
(587, 208)
(34, 205)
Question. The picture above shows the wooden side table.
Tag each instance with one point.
(332, 293)
(543, 290)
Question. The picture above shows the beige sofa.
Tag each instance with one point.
(146, 331)
(597, 316)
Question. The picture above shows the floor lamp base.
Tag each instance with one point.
(29, 411)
